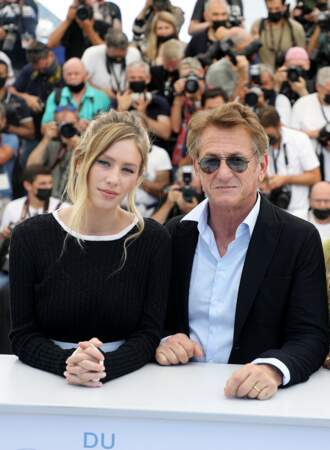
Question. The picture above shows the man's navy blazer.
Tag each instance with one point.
(281, 308)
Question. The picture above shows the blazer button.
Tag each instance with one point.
(237, 347)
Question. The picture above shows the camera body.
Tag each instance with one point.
(84, 12)
(324, 135)
(67, 130)
(187, 191)
(136, 96)
(10, 38)
(235, 16)
(281, 196)
(13, 113)
(324, 21)
(255, 74)
(251, 97)
(294, 73)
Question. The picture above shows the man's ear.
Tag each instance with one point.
(27, 186)
(263, 167)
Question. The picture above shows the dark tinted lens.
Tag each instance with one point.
(237, 163)
(209, 165)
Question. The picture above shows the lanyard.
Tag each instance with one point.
(286, 159)
(113, 77)
(26, 213)
(324, 114)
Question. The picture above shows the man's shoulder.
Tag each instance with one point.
(307, 101)
(95, 51)
(295, 137)
(177, 226)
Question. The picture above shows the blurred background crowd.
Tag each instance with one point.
(54, 79)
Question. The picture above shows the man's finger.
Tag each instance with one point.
(198, 350)
(235, 380)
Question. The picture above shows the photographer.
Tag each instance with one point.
(189, 89)
(164, 76)
(293, 78)
(55, 148)
(293, 165)
(318, 45)
(107, 63)
(18, 114)
(18, 22)
(85, 25)
(154, 108)
(216, 15)
(181, 197)
(198, 22)
(277, 33)
(311, 114)
(142, 24)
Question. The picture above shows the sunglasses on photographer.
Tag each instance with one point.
(236, 163)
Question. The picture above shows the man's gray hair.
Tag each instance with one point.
(138, 64)
(266, 68)
(323, 75)
(222, 2)
(116, 39)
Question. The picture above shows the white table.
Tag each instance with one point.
(158, 408)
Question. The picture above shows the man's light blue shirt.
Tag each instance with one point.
(214, 285)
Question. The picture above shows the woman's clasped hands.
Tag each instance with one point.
(85, 366)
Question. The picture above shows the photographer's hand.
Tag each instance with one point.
(2, 34)
(141, 105)
(312, 134)
(33, 102)
(184, 206)
(6, 232)
(299, 87)
(276, 181)
(50, 130)
(124, 101)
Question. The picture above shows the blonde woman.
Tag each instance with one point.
(326, 250)
(91, 273)
(163, 28)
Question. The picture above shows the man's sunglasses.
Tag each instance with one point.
(210, 164)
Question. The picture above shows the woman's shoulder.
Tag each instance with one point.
(36, 226)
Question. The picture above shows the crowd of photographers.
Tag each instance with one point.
(280, 68)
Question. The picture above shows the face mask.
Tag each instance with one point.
(272, 140)
(327, 99)
(115, 59)
(269, 94)
(275, 16)
(43, 194)
(137, 86)
(162, 39)
(322, 6)
(321, 214)
(219, 23)
(2, 81)
(75, 88)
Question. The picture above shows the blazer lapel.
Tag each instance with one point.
(259, 255)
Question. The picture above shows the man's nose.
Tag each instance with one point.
(223, 170)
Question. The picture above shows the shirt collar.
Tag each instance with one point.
(200, 215)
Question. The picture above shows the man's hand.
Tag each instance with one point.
(86, 364)
(312, 134)
(141, 105)
(326, 363)
(177, 349)
(276, 181)
(50, 130)
(258, 381)
(299, 87)
(33, 102)
(124, 101)
(71, 14)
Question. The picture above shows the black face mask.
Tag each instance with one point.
(322, 6)
(272, 140)
(321, 214)
(327, 99)
(275, 16)
(75, 88)
(269, 94)
(137, 86)
(219, 23)
(43, 194)
(162, 39)
(2, 81)
(115, 59)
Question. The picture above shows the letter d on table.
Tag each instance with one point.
(90, 440)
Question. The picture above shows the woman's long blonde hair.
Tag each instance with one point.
(152, 49)
(102, 132)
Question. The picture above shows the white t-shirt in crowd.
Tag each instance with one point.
(301, 157)
(309, 114)
(13, 211)
(283, 107)
(323, 229)
(158, 160)
(94, 59)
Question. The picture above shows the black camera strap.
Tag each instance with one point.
(275, 158)
(115, 82)
(324, 114)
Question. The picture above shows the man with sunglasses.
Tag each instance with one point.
(248, 284)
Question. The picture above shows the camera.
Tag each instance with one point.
(281, 197)
(294, 73)
(306, 7)
(10, 38)
(324, 135)
(324, 21)
(160, 5)
(67, 130)
(191, 85)
(235, 16)
(252, 97)
(136, 96)
(187, 192)
(84, 11)
(13, 113)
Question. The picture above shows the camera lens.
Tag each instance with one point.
(67, 130)
(191, 85)
(84, 12)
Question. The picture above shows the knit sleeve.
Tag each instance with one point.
(28, 342)
(139, 348)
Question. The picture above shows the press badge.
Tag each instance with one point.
(4, 182)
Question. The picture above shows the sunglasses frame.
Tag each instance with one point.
(226, 158)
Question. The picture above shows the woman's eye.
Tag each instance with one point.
(102, 162)
(127, 170)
